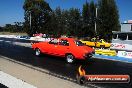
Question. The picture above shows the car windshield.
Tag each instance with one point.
(103, 40)
(79, 43)
(93, 40)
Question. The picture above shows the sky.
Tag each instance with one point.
(12, 10)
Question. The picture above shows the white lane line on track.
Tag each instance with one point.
(7, 41)
(112, 60)
(12, 82)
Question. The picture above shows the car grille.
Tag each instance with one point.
(88, 55)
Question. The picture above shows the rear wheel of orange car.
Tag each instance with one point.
(70, 58)
(37, 52)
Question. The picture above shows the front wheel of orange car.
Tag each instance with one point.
(37, 52)
(70, 58)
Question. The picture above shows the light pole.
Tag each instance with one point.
(95, 21)
(30, 20)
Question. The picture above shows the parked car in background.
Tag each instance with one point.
(96, 43)
(38, 34)
(69, 48)
(23, 37)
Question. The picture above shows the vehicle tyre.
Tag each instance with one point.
(70, 58)
(81, 80)
(37, 52)
(102, 46)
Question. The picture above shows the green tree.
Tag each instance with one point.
(87, 15)
(92, 16)
(18, 27)
(58, 15)
(39, 12)
(9, 28)
(74, 21)
(66, 22)
(1, 29)
(53, 25)
(109, 17)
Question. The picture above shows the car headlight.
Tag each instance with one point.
(93, 52)
(86, 55)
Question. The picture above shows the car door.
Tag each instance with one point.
(99, 43)
(62, 48)
(92, 42)
(44, 47)
(51, 46)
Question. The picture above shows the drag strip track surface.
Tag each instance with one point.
(59, 66)
(3, 86)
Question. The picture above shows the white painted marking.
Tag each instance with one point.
(8, 41)
(12, 82)
(1, 40)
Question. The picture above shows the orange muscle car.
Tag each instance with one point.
(69, 48)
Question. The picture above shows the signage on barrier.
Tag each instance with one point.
(124, 54)
(121, 46)
(116, 45)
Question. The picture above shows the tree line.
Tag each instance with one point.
(16, 27)
(40, 18)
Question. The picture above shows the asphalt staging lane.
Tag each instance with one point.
(3, 86)
(59, 66)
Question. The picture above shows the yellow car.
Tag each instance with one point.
(96, 43)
